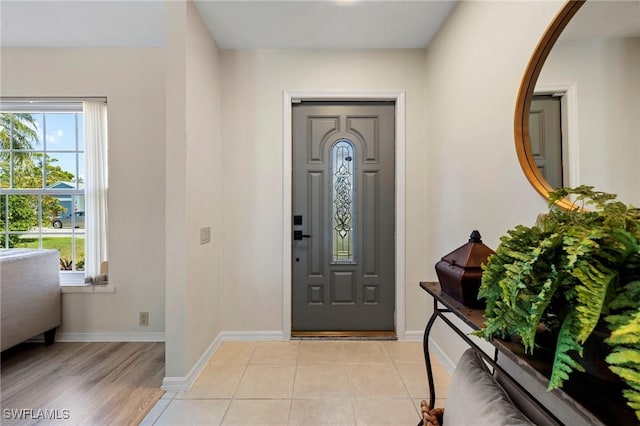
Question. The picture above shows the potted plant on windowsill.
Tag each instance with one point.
(571, 271)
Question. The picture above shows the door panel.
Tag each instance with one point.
(319, 128)
(368, 130)
(371, 216)
(343, 288)
(315, 215)
(545, 134)
(344, 190)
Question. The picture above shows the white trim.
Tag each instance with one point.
(287, 197)
(110, 336)
(69, 278)
(398, 96)
(413, 336)
(87, 288)
(43, 104)
(175, 384)
(439, 353)
(184, 383)
(252, 336)
(400, 213)
(570, 140)
(434, 348)
(180, 384)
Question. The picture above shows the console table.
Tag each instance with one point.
(590, 401)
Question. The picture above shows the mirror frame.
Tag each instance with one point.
(525, 95)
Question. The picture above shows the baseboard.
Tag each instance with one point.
(180, 384)
(417, 336)
(444, 359)
(251, 336)
(183, 384)
(108, 336)
(413, 336)
(176, 384)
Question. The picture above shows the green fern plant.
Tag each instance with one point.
(585, 260)
(624, 359)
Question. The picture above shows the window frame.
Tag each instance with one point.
(44, 107)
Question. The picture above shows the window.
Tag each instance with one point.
(42, 180)
(342, 200)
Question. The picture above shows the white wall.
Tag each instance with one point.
(204, 186)
(175, 225)
(133, 82)
(193, 179)
(473, 72)
(254, 81)
(606, 73)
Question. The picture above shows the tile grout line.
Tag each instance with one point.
(233, 394)
(355, 412)
(406, 387)
(396, 364)
(164, 409)
(293, 382)
(402, 380)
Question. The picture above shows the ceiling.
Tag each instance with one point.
(234, 24)
(245, 24)
(324, 24)
(86, 23)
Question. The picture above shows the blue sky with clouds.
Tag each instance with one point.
(57, 134)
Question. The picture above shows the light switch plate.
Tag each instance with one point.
(144, 319)
(205, 235)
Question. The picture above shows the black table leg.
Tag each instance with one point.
(427, 356)
(427, 359)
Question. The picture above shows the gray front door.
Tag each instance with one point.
(344, 216)
(545, 133)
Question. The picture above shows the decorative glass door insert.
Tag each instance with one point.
(343, 201)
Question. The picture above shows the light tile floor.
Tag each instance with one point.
(306, 383)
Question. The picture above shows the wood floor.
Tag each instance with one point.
(80, 383)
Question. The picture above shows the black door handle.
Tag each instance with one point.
(298, 235)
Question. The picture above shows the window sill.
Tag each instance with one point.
(72, 278)
(87, 288)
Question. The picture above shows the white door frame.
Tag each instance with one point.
(569, 114)
(398, 96)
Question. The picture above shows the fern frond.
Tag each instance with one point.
(595, 279)
(539, 305)
(626, 339)
(624, 360)
(624, 357)
(633, 400)
(563, 362)
(627, 330)
(629, 375)
(628, 298)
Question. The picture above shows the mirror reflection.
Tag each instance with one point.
(584, 118)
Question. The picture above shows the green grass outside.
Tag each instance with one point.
(62, 244)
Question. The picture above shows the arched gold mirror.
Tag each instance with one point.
(587, 64)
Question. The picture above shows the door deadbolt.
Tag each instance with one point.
(298, 235)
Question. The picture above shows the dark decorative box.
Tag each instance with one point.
(460, 273)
